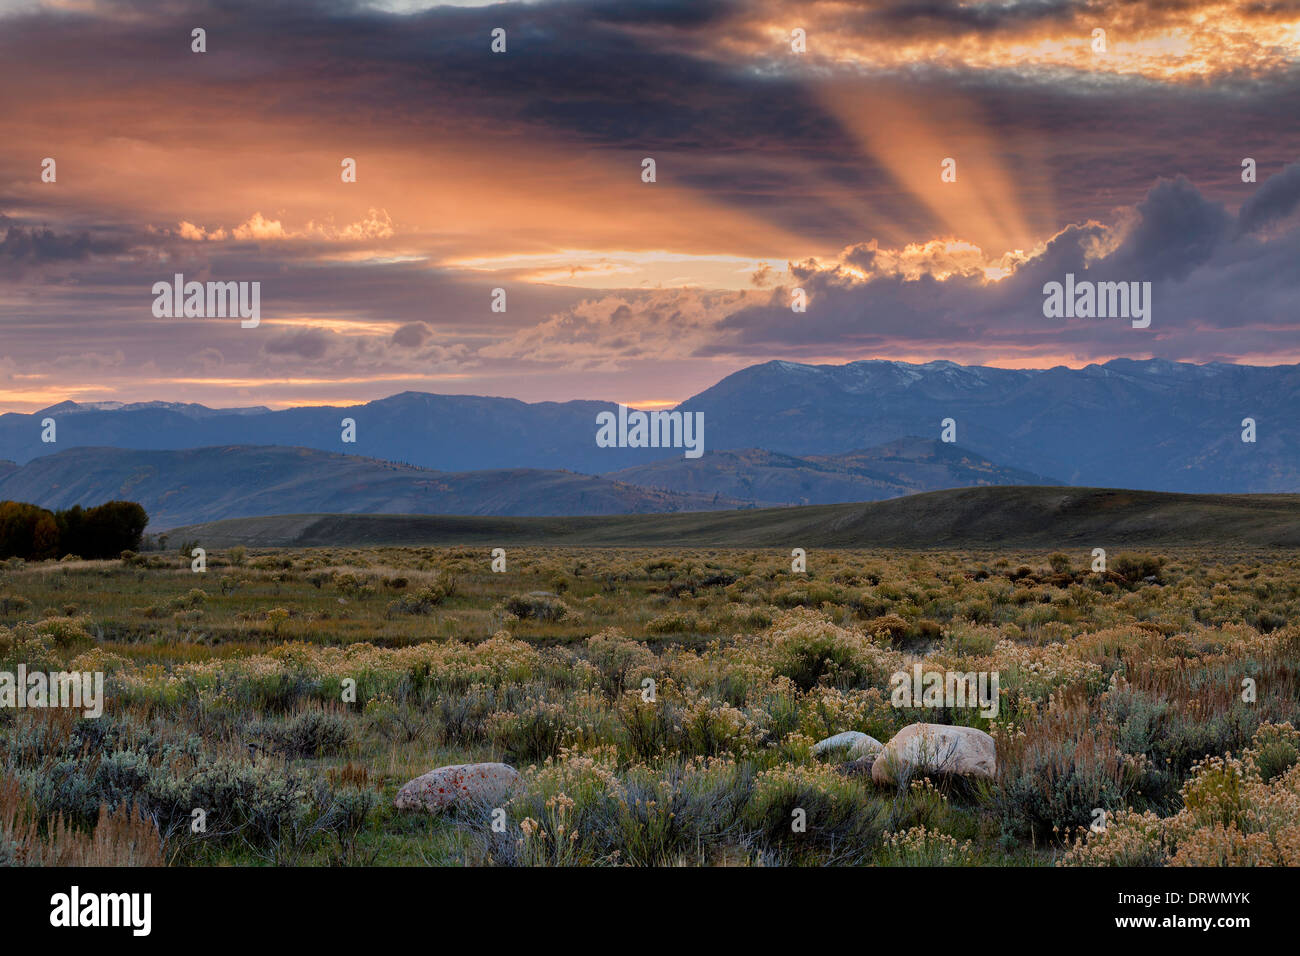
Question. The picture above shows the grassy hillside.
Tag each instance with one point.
(767, 479)
(1046, 517)
(207, 484)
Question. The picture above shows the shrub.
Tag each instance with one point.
(617, 657)
(1133, 568)
(795, 808)
(921, 847)
(311, 733)
(1232, 815)
(422, 601)
(14, 604)
(647, 725)
(532, 732)
(810, 650)
(674, 622)
(1053, 779)
(538, 606)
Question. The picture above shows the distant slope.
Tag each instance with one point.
(237, 481)
(1027, 517)
(768, 479)
(207, 484)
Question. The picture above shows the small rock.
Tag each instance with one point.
(935, 748)
(844, 741)
(459, 783)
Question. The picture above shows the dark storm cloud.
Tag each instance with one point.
(37, 245)
(1177, 231)
(1275, 199)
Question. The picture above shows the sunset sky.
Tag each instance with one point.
(522, 171)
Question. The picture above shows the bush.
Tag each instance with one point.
(538, 606)
(617, 657)
(1134, 568)
(14, 604)
(422, 601)
(797, 808)
(810, 650)
(532, 732)
(1055, 778)
(1059, 562)
(312, 733)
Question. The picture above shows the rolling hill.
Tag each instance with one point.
(902, 467)
(234, 481)
(994, 517)
(206, 484)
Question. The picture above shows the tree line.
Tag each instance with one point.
(35, 533)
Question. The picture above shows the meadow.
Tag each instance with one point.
(282, 696)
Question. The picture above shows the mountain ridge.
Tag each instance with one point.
(1148, 423)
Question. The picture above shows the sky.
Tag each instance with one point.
(775, 169)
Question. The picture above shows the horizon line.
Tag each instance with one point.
(645, 404)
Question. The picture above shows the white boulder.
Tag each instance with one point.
(459, 783)
(935, 748)
(854, 743)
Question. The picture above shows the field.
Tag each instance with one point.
(1157, 696)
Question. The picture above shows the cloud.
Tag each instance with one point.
(828, 161)
(307, 344)
(411, 335)
(28, 245)
(611, 331)
(1177, 231)
(1276, 198)
(376, 224)
(948, 298)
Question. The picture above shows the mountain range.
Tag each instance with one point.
(1150, 424)
(778, 433)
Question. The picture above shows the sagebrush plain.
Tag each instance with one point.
(288, 693)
